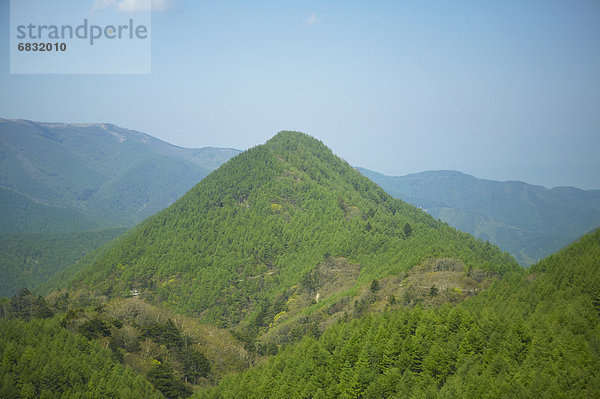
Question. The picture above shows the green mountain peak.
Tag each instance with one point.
(293, 136)
(240, 243)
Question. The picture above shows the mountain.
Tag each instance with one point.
(107, 173)
(269, 224)
(529, 335)
(528, 221)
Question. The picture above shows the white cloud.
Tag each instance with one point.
(100, 5)
(134, 5)
(129, 6)
(312, 20)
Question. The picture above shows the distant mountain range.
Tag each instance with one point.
(531, 222)
(107, 174)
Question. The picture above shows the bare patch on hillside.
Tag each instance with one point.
(330, 293)
(332, 277)
(350, 211)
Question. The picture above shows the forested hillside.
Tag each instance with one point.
(534, 335)
(245, 243)
(40, 359)
(30, 259)
(65, 347)
(531, 222)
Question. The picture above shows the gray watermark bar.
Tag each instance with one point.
(80, 37)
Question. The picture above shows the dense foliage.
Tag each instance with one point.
(256, 226)
(40, 359)
(172, 352)
(534, 336)
(26, 306)
(531, 222)
(28, 260)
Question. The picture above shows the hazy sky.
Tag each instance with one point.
(505, 90)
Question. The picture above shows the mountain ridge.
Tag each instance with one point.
(93, 167)
(529, 221)
(254, 227)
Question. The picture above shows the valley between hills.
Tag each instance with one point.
(284, 272)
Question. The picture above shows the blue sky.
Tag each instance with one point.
(505, 90)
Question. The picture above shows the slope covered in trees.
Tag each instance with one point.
(28, 260)
(531, 222)
(40, 359)
(240, 243)
(530, 335)
(76, 346)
